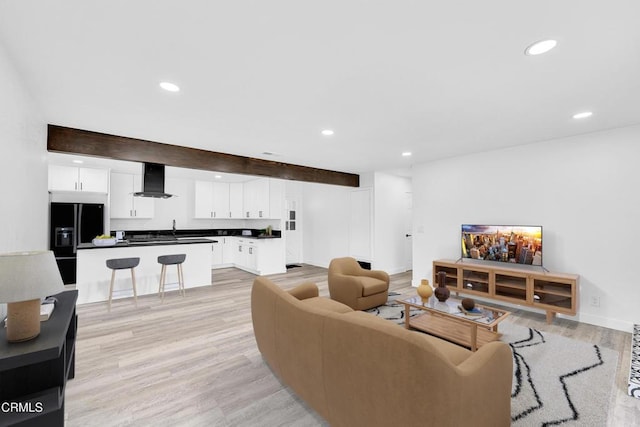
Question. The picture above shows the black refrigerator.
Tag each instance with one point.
(70, 225)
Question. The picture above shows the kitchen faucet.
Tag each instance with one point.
(174, 227)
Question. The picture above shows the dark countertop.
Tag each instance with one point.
(220, 232)
(126, 244)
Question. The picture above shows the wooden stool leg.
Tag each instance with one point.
(163, 274)
(181, 279)
(113, 276)
(135, 292)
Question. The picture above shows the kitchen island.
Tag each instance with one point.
(93, 276)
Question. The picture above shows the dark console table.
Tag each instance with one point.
(33, 374)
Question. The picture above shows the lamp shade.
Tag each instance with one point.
(28, 275)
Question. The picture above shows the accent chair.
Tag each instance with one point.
(355, 286)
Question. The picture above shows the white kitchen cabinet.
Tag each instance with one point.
(227, 250)
(236, 190)
(211, 200)
(259, 256)
(221, 207)
(216, 253)
(252, 257)
(240, 253)
(123, 203)
(203, 199)
(256, 198)
(69, 178)
(247, 254)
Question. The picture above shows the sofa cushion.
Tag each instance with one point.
(327, 304)
(372, 286)
(452, 352)
(365, 356)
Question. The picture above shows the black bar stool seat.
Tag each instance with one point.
(123, 264)
(174, 259)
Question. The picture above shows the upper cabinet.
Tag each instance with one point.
(212, 200)
(203, 198)
(258, 198)
(69, 178)
(221, 206)
(123, 203)
(236, 190)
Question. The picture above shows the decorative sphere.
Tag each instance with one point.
(468, 303)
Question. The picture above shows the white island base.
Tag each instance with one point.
(93, 276)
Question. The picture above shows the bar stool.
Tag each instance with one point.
(122, 264)
(177, 260)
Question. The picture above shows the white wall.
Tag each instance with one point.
(360, 214)
(23, 168)
(390, 212)
(325, 209)
(582, 190)
(330, 231)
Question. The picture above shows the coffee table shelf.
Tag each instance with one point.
(447, 321)
(456, 332)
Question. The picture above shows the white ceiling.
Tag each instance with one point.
(438, 79)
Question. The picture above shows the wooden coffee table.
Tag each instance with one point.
(446, 320)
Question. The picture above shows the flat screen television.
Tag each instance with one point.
(518, 244)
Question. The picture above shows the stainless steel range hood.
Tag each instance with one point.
(153, 181)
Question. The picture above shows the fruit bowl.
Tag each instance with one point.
(104, 242)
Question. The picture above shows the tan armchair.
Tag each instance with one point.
(356, 287)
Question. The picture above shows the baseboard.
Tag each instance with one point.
(220, 266)
(316, 264)
(606, 322)
(396, 270)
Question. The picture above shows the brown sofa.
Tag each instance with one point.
(356, 369)
(355, 286)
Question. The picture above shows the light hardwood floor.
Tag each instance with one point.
(193, 361)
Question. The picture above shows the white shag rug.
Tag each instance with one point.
(556, 380)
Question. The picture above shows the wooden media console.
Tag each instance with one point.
(552, 292)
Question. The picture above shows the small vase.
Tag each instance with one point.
(442, 292)
(425, 290)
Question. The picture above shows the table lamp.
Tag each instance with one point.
(25, 277)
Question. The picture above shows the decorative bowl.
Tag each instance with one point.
(104, 242)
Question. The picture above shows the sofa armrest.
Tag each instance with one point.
(305, 290)
(488, 374)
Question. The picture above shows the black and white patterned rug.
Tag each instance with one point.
(634, 371)
(556, 380)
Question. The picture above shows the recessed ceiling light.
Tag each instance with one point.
(327, 132)
(170, 87)
(583, 115)
(406, 154)
(540, 47)
(78, 161)
(218, 176)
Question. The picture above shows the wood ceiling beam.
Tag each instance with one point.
(82, 142)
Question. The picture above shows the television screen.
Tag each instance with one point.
(516, 244)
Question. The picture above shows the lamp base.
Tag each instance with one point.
(23, 320)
